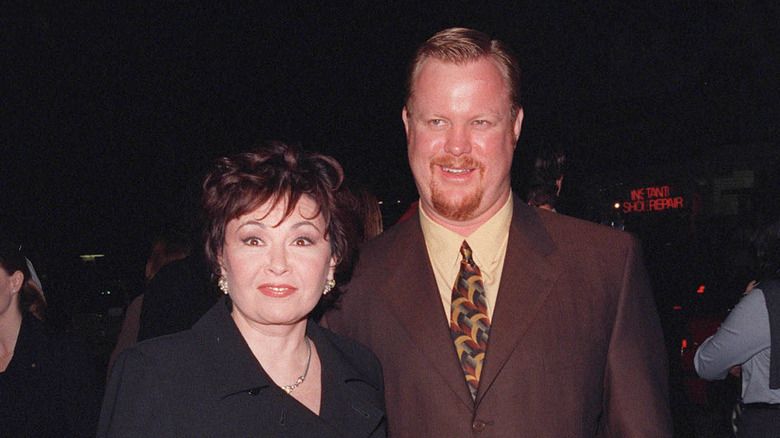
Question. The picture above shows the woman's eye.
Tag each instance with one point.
(303, 241)
(253, 241)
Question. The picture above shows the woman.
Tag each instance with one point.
(277, 230)
(48, 387)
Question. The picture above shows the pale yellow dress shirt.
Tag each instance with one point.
(488, 245)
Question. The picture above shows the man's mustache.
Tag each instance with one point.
(458, 162)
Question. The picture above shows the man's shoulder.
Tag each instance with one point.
(382, 257)
(756, 299)
(570, 230)
(402, 236)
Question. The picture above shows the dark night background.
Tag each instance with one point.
(112, 111)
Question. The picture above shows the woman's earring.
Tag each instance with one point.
(222, 283)
(329, 286)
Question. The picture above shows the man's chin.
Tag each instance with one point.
(459, 210)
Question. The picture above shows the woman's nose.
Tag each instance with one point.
(277, 262)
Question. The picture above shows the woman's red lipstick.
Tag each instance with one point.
(276, 290)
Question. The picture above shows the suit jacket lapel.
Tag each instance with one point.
(526, 280)
(417, 307)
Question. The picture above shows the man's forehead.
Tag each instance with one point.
(430, 63)
(432, 70)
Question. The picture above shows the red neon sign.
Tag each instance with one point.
(652, 199)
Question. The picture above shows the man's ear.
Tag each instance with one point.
(405, 117)
(518, 124)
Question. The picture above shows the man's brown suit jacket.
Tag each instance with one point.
(575, 347)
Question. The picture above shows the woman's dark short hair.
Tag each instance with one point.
(241, 183)
(30, 295)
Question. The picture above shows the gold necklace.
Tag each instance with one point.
(289, 388)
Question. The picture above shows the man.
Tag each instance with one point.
(550, 329)
(749, 337)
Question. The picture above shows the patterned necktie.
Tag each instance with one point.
(469, 322)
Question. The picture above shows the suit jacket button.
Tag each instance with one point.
(479, 425)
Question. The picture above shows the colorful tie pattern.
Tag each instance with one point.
(469, 322)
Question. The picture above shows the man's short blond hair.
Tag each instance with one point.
(461, 45)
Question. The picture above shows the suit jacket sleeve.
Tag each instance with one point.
(635, 381)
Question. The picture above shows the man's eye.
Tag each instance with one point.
(436, 122)
(481, 122)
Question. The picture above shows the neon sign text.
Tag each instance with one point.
(652, 199)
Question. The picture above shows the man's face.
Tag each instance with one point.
(461, 137)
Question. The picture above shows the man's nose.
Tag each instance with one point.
(458, 141)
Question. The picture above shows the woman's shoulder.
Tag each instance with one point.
(349, 350)
(39, 343)
(168, 361)
(187, 343)
(164, 348)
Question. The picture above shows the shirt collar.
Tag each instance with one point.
(485, 242)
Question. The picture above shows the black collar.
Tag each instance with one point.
(349, 399)
(243, 372)
(31, 338)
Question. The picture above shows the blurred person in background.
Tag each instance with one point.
(177, 297)
(749, 339)
(367, 220)
(166, 248)
(544, 185)
(279, 226)
(48, 385)
(369, 214)
(171, 245)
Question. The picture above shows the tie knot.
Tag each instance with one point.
(465, 251)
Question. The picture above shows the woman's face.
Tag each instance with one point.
(276, 273)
